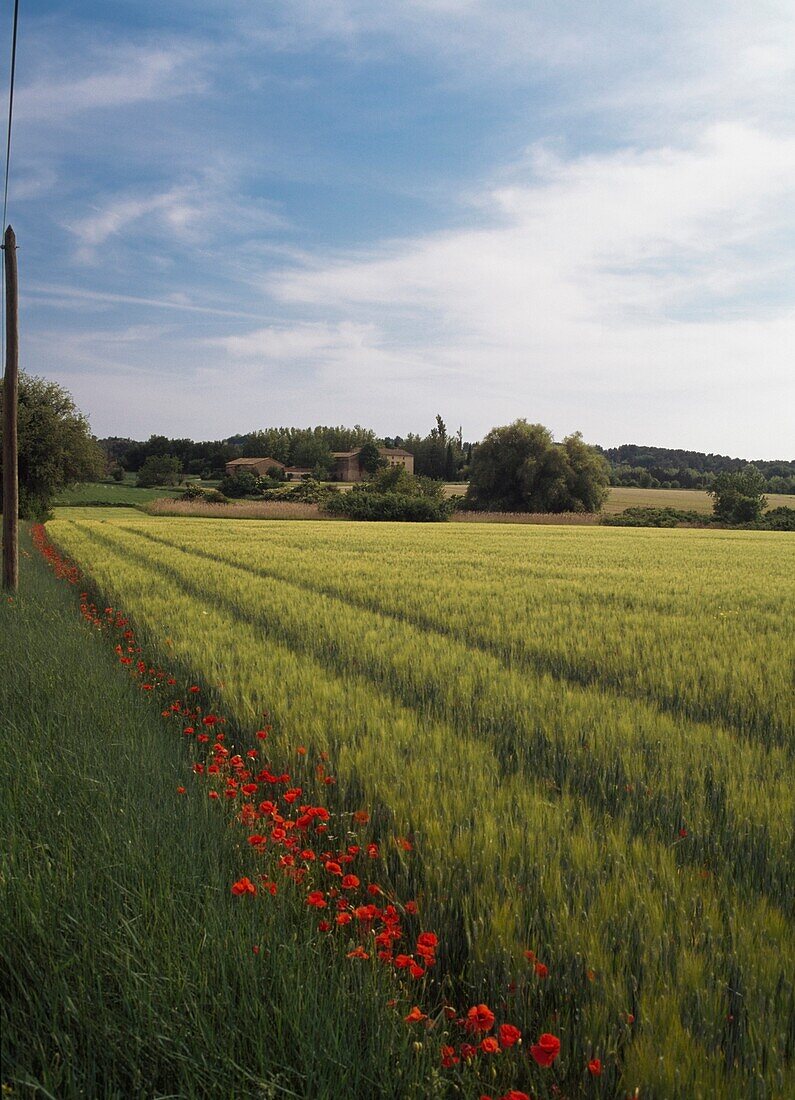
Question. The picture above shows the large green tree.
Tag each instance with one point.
(738, 497)
(519, 468)
(56, 447)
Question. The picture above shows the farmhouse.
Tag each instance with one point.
(347, 466)
(258, 466)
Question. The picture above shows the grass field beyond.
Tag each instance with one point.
(586, 732)
(110, 493)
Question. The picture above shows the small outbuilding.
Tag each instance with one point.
(258, 466)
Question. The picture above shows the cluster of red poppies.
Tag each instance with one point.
(290, 836)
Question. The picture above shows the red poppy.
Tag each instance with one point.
(316, 900)
(479, 1018)
(243, 886)
(181, 790)
(509, 1035)
(415, 1016)
(595, 1067)
(350, 882)
(546, 1050)
(490, 1045)
(541, 970)
(358, 953)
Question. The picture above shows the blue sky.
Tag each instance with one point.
(335, 211)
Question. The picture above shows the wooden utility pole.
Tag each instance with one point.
(10, 394)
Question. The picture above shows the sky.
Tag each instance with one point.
(235, 215)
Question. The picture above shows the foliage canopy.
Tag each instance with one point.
(56, 447)
(738, 496)
(519, 468)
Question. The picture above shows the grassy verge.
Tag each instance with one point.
(109, 493)
(128, 968)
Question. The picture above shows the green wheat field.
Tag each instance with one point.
(586, 733)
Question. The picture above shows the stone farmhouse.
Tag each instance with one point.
(346, 464)
(258, 466)
(347, 467)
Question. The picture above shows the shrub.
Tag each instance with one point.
(368, 505)
(656, 517)
(306, 491)
(738, 497)
(778, 519)
(243, 484)
(209, 496)
(159, 470)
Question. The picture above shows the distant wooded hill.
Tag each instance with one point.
(671, 468)
(439, 454)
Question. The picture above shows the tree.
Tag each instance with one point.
(370, 458)
(160, 470)
(738, 497)
(56, 447)
(519, 468)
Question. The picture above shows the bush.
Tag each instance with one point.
(306, 491)
(657, 517)
(208, 496)
(778, 519)
(738, 497)
(159, 470)
(368, 505)
(243, 484)
(117, 474)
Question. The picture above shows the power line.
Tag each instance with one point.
(10, 109)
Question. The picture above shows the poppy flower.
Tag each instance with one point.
(509, 1035)
(316, 900)
(358, 953)
(181, 790)
(479, 1018)
(595, 1067)
(490, 1045)
(546, 1050)
(415, 1016)
(361, 817)
(449, 1058)
(243, 886)
(350, 882)
(541, 970)
(515, 1094)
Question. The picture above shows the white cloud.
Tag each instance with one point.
(601, 277)
(113, 78)
(187, 214)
